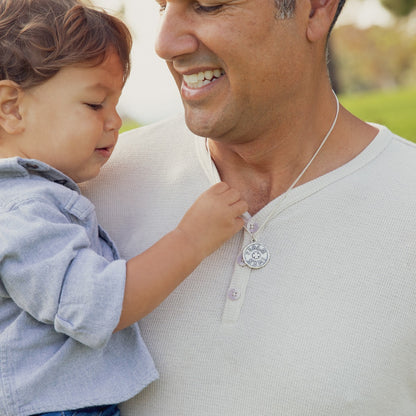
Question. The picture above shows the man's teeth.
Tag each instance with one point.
(202, 78)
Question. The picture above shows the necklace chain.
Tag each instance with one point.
(246, 215)
(271, 215)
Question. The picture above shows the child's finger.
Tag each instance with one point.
(232, 196)
(239, 208)
(219, 188)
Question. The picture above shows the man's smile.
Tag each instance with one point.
(202, 78)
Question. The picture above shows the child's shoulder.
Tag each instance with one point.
(26, 182)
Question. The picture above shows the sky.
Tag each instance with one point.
(150, 93)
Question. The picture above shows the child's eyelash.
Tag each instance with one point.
(94, 106)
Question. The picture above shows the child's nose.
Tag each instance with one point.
(114, 122)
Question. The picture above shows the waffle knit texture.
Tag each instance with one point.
(327, 328)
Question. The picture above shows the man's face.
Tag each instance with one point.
(234, 62)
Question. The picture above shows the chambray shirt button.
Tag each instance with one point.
(234, 294)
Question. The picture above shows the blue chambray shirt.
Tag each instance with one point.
(61, 293)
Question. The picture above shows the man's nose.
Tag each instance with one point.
(175, 36)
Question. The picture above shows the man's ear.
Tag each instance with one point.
(10, 98)
(322, 13)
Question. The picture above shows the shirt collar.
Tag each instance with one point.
(20, 167)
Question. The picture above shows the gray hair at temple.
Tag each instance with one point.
(286, 9)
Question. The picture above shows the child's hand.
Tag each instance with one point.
(213, 218)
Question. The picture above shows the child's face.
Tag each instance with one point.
(71, 121)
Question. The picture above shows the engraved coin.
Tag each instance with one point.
(256, 255)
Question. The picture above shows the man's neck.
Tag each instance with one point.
(265, 168)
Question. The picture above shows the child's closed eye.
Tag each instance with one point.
(94, 107)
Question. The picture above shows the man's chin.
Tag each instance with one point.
(204, 124)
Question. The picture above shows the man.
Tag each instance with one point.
(311, 309)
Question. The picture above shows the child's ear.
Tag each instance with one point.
(322, 13)
(10, 97)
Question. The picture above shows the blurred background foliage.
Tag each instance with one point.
(399, 7)
(374, 58)
(374, 69)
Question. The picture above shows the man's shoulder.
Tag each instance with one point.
(394, 166)
(156, 150)
(401, 151)
(390, 148)
(172, 130)
(397, 141)
(405, 145)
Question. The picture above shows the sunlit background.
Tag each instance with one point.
(373, 63)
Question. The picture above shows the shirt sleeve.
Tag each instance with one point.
(50, 270)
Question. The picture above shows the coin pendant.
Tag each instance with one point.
(256, 255)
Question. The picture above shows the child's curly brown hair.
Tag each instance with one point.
(40, 37)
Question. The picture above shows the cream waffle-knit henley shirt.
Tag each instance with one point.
(327, 328)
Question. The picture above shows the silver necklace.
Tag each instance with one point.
(256, 255)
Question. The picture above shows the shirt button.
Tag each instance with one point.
(240, 261)
(253, 227)
(234, 294)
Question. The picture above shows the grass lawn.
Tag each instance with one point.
(129, 124)
(395, 109)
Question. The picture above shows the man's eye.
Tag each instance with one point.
(95, 107)
(207, 9)
(198, 7)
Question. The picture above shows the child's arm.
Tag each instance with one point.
(154, 274)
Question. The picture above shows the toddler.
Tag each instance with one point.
(68, 303)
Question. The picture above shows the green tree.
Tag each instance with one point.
(400, 8)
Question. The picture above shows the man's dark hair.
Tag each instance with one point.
(286, 9)
(340, 6)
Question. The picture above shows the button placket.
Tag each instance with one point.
(236, 290)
